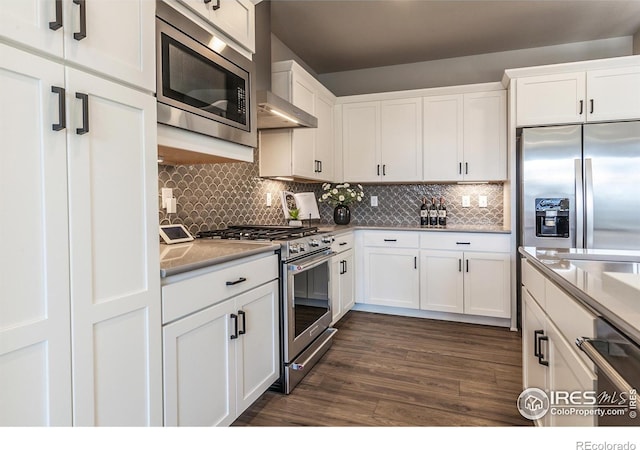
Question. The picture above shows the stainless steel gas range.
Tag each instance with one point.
(305, 293)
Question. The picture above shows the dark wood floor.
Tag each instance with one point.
(387, 370)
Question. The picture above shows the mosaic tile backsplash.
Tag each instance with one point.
(214, 196)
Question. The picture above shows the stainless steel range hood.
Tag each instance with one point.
(273, 111)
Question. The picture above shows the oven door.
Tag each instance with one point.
(617, 361)
(307, 293)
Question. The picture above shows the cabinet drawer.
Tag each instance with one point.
(343, 242)
(474, 242)
(391, 239)
(571, 318)
(185, 297)
(533, 282)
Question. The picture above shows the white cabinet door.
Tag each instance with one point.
(35, 357)
(199, 368)
(119, 42)
(534, 373)
(443, 143)
(336, 273)
(361, 141)
(34, 23)
(441, 281)
(324, 145)
(401, 140)
(567, 372)
(347, 282)
(487, 284)
(613, 94)
(551, 99)
(391, 277)
(237, 19)
(258, 344)
(485, 136)
(115, 285)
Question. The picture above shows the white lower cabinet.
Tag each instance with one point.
(467, 282)
(390, 268)
(342, 284)
(218, 361)
(550, 361)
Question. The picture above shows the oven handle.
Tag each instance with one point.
(297, 268)
(603, 365)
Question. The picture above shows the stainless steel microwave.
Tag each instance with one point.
(202, 85)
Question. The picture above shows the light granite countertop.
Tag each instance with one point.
(603, 280)
(453, 228)
(179, 258)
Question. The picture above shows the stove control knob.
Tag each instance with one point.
(327, 239)
(314, 243)
(302, 247)
(294, 248)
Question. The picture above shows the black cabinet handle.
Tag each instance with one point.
(467, 263)
(235, 326)
(463, 243)
(207, 1)
(466, 168)
(384, 170)
(415, 262)
(541, 359)
(238, 281)
(391, 240)
(244, 322)
(536, 343)
(342, 243)
(460, 168)
(459, 265)
(343, 267)
(378, 170)
(85, 113)
(62, 121)
(591, 102)
(320, 166)
(57, 23)
(216, 6)
(581, 106)
(83, 20)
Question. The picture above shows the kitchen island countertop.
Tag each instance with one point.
(598, 279)
(179, 258)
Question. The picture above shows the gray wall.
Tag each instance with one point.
(470, 69)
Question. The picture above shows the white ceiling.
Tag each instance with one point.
(333, 36)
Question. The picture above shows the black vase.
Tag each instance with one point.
(342, 215)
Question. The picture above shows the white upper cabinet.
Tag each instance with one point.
(465, 137)
(115, 39)
(305, 153)
(578, 97)
(382, 140)
(235, 18)
(485, 136)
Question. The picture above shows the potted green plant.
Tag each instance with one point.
(294, 220)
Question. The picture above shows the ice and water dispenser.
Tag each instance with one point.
(552, 217)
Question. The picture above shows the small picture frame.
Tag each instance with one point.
(174, 234)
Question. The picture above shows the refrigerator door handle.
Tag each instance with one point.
(579, 206)
(588, 201)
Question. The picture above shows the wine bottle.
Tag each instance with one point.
(424, 213)
(442, 213)
(433, 213)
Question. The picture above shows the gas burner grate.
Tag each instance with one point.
(258, 232)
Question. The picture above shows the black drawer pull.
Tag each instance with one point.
(244, 322)
(391, 240)
(83, 20)
(342, 243)
(62, 122)
(238, 281)
(463, 243)
(57, 23)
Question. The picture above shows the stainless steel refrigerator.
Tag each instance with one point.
(579, 186)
